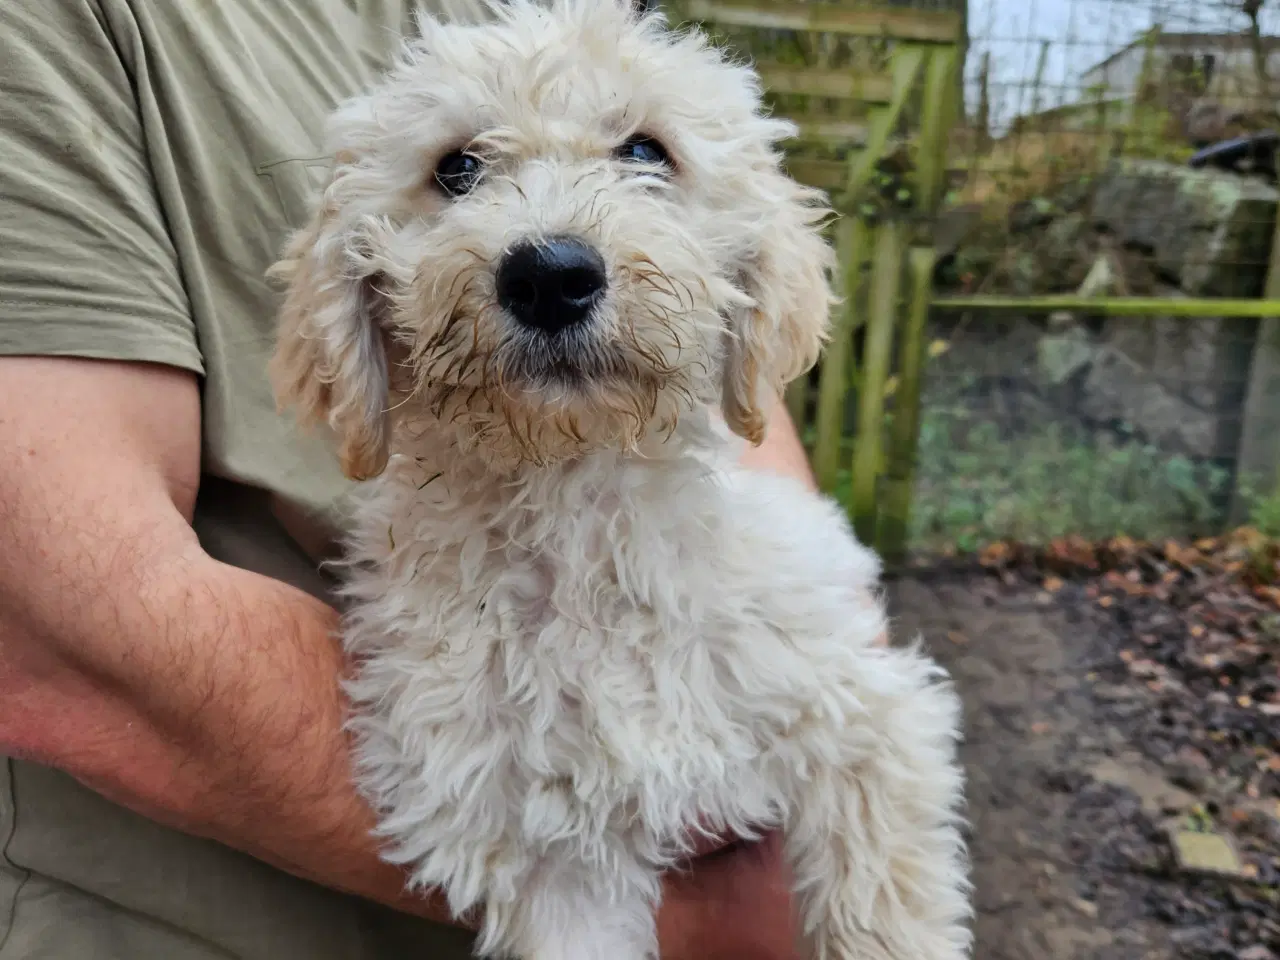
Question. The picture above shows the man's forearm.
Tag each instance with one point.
(220, 715)
(197, 694)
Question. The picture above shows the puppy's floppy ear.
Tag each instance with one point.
(330, 362)
(780, 335)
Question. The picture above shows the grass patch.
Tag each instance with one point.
(1264, 510)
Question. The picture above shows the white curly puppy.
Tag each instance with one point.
(556, 246)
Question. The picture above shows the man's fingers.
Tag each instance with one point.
(707, 842)
(734, 905)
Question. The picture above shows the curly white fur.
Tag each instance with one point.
(581, 632)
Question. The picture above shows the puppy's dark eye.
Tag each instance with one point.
(644, 150)
(459, 172)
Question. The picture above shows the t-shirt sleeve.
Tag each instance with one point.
(87, 266)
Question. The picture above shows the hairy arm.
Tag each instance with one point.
(197, 694)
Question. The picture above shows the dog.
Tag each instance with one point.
(552, 289)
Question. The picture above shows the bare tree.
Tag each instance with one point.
(1253, 10)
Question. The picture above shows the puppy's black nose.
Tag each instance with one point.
(551, 285)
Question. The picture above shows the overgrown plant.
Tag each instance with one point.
(1264, 508)
(976, 485)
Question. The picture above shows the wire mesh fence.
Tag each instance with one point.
(1115, 148)
(1106, 148)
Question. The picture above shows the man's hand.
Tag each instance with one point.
(734, 903)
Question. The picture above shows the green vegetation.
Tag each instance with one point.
(976, 484)
(1264, 510)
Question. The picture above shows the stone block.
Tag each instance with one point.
(1207, 230)
(1060, 356)
(1117, 388)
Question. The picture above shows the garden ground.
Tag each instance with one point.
(1120, 702)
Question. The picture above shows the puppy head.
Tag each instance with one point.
(559, 229)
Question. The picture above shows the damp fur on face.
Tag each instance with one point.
(577, 119)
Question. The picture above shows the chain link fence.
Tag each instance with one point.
(1109, 148)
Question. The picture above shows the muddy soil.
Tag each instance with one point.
(1071, 791)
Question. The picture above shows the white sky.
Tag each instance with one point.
(1080, 33)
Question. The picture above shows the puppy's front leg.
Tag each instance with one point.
(571, 914)
(875, 840)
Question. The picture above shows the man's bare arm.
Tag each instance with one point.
(197, 694)
(781, 452)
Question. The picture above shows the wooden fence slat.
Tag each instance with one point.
(893, 520)
(1116, 306)
(882, 314)
(830, 131)
(830, 175)
(865, 87)
(930, 26)
(904, 70)
(826, 175)
(931, 160)
(937, 116)
(852, 234)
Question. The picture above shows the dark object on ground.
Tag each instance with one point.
(1253, 153)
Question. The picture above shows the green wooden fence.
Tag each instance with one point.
(876, 139)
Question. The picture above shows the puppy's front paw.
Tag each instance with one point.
(876, 845)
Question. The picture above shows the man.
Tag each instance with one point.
(174, 781)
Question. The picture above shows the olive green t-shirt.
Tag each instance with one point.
(153, 156)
